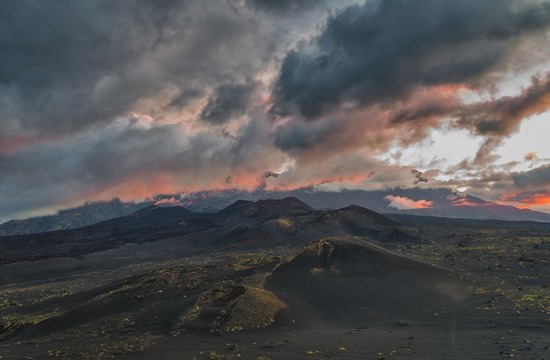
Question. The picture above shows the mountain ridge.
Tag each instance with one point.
(271, 223)
(88, 214)
(444, 203)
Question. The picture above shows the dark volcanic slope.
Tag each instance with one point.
(342, 282)
(261, 209)
(154, 214)
(348, 281)
(282, 290)
(149, 224)
(291, 223)
(264, 224)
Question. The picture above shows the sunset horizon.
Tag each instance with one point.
(158, 99)
(274, 179)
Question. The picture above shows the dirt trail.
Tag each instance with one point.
(452, 339)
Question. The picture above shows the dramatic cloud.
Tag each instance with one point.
(404, 203)
(134, 161)
(502, 116)
(106, 98)
(284, 6)
(228, 100)
(381, 51)
(533, 178)
(68, 65)
(167, 202)
(388, 72)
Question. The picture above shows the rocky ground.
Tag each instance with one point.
(376, 288)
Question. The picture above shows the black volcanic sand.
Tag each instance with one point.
(470, 292)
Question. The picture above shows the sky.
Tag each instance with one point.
(131, 99)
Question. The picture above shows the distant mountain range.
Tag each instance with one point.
(413, 201)
(264, 224)
(87, 214)
(443, 203)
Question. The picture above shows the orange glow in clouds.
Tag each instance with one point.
(466, 202)
(530, 198)
(540, 199)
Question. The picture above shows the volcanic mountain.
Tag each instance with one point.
(274, 278)
(442, 203)
(287, 222)
(438, 202)
(149, 224)
(87, 214)
(346, 280)
(339, 282)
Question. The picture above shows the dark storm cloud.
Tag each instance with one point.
(283, 6)
(137, 161)
(496, 117)
(485, 154)
(402, 65)
(383, 50)
(227, 101)
(533, 178)
(84, 164)
(66, 65)
(185, 97)
(502, 116)
(70, 71)
(301, 136)
(54, 53)
(133, 98)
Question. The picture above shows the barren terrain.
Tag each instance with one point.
(278, 280)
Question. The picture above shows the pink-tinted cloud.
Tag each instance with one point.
(172, 201)
(404, 203)
(466, 202)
